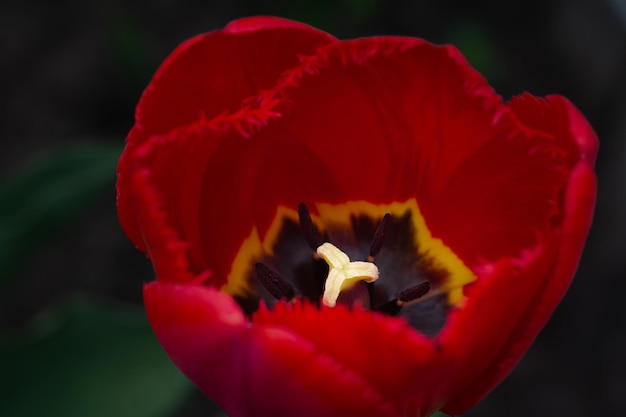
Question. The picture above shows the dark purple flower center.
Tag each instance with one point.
(407, 276)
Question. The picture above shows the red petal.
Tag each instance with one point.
(510, 192)
(358, 122)
(191, 86)
(528, 298)
(557, 116)
(252, 370)
(500, 199)
(214, 73)
(403, 365)
(213, 187)
(255, 23)
(380, 112)
(163, 244)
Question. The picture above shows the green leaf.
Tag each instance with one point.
(44, 197)
(89, 360)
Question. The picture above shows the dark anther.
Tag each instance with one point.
(393, 307)
(415, 292)
(379, 236)
(310, 232)
(278, 287)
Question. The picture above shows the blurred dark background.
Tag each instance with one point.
(73, 338)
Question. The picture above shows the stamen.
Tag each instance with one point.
(310, 232)
(415, 292)
(343, 273)
(393, 307)
(379, 237)
(273, 283)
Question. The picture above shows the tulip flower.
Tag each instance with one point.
(349, 228)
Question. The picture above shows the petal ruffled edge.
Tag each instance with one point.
(239, 113)
(214, 73)
(386, 89)
(558, 117)
(411, 370)
(165, 249)
(252, 370)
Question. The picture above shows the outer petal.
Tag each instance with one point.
(163, 243)
(213, 185)
(409, 369)
(211, 75)
(529, 297)
(252, 370)
(255, 23)
(215, 73)
(557, 116)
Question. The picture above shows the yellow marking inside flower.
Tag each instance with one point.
(237, 281)
(343, 273)
(252, 249)
(340, 216)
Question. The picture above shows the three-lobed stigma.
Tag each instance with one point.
(343, 273)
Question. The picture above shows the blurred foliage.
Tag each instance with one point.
(471, 38)
(47, 195)
(88, 359)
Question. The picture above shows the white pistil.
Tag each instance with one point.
(343, 273)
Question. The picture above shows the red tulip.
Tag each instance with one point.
(349, 228)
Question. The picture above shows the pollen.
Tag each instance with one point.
(343, 273)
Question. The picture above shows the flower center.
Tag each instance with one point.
(382, 258)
